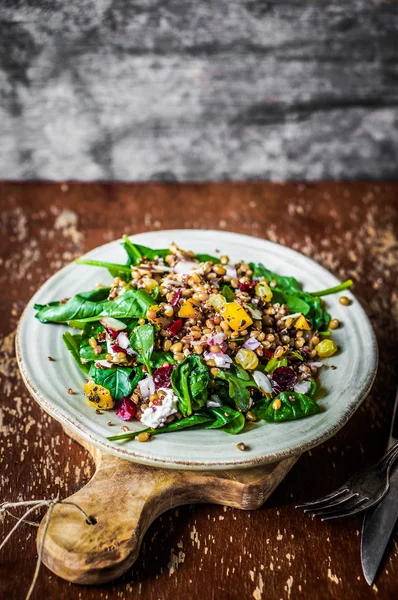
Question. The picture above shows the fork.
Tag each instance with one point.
(359, 493)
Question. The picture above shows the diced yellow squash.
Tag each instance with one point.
(236, 316)
(98, 396)
(263, 290)
(217, 301)
(302, 323)
(188, 310)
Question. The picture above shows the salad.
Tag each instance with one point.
(182, 339)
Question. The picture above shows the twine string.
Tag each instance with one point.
(34, 505)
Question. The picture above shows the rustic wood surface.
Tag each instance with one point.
(192, 91)
(124, 498)
(203, 551)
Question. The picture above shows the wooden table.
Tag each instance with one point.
(204, 551)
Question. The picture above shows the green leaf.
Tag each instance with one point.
(136, 252)
(116, 270)
(143, 340)
(334, 290)
(72, 342)
(159, 357)
(289, 291)
(294, 406)
(284, 283)
(230, 420)
(189, 381)
(86, 351)
(120, 381)
(207, 258)
(274, 363)
(238, 381)
(228, 293)
(197, 419)
(134, 303)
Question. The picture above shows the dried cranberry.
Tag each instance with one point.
(176, 297)
(117, 348)
(161, 377)
(112, 332)
(175, 327)
(245, 287)
(126, 409)
(283, 379)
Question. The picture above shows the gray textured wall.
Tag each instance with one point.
(198, 89)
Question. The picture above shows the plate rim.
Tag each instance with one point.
(242, 463)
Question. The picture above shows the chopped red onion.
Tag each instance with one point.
(161, 269)
(117, 349)
(263, 382)
(103, 363)
(147, 386)
(230, 271)
(171, 282)
(214, 401)
(176, 297)
(111, 323)
(217, 339)
(223, 361)
(251, 343)
(316, 364)
(303, 387)
(293, 316)
(123, 340)
(255, 313)
(185, 266)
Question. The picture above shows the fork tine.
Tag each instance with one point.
(321, 501)
(357, 508)
(333, 506)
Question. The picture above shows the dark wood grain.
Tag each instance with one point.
(204, 551)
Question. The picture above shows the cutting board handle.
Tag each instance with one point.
(124, 498)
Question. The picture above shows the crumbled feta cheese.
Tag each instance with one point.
(155, 415)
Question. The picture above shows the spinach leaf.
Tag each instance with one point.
(159, 357)
(189, 381)
(294, 406)
(230, 420)
(294, 303)
(284, 283)
(313, 388)
(116, 270)
(335, 289)
(228, 293)
(274, 363)
(289, 291)
(77, 308)
(143, 340)
(72, 342)
(238, 381)
(56, 312)
(86, 351)
(136, 252)
(207, 258)
(133, 303)
(120, 381)
(197, 419)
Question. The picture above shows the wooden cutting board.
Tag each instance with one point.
(124, 498)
